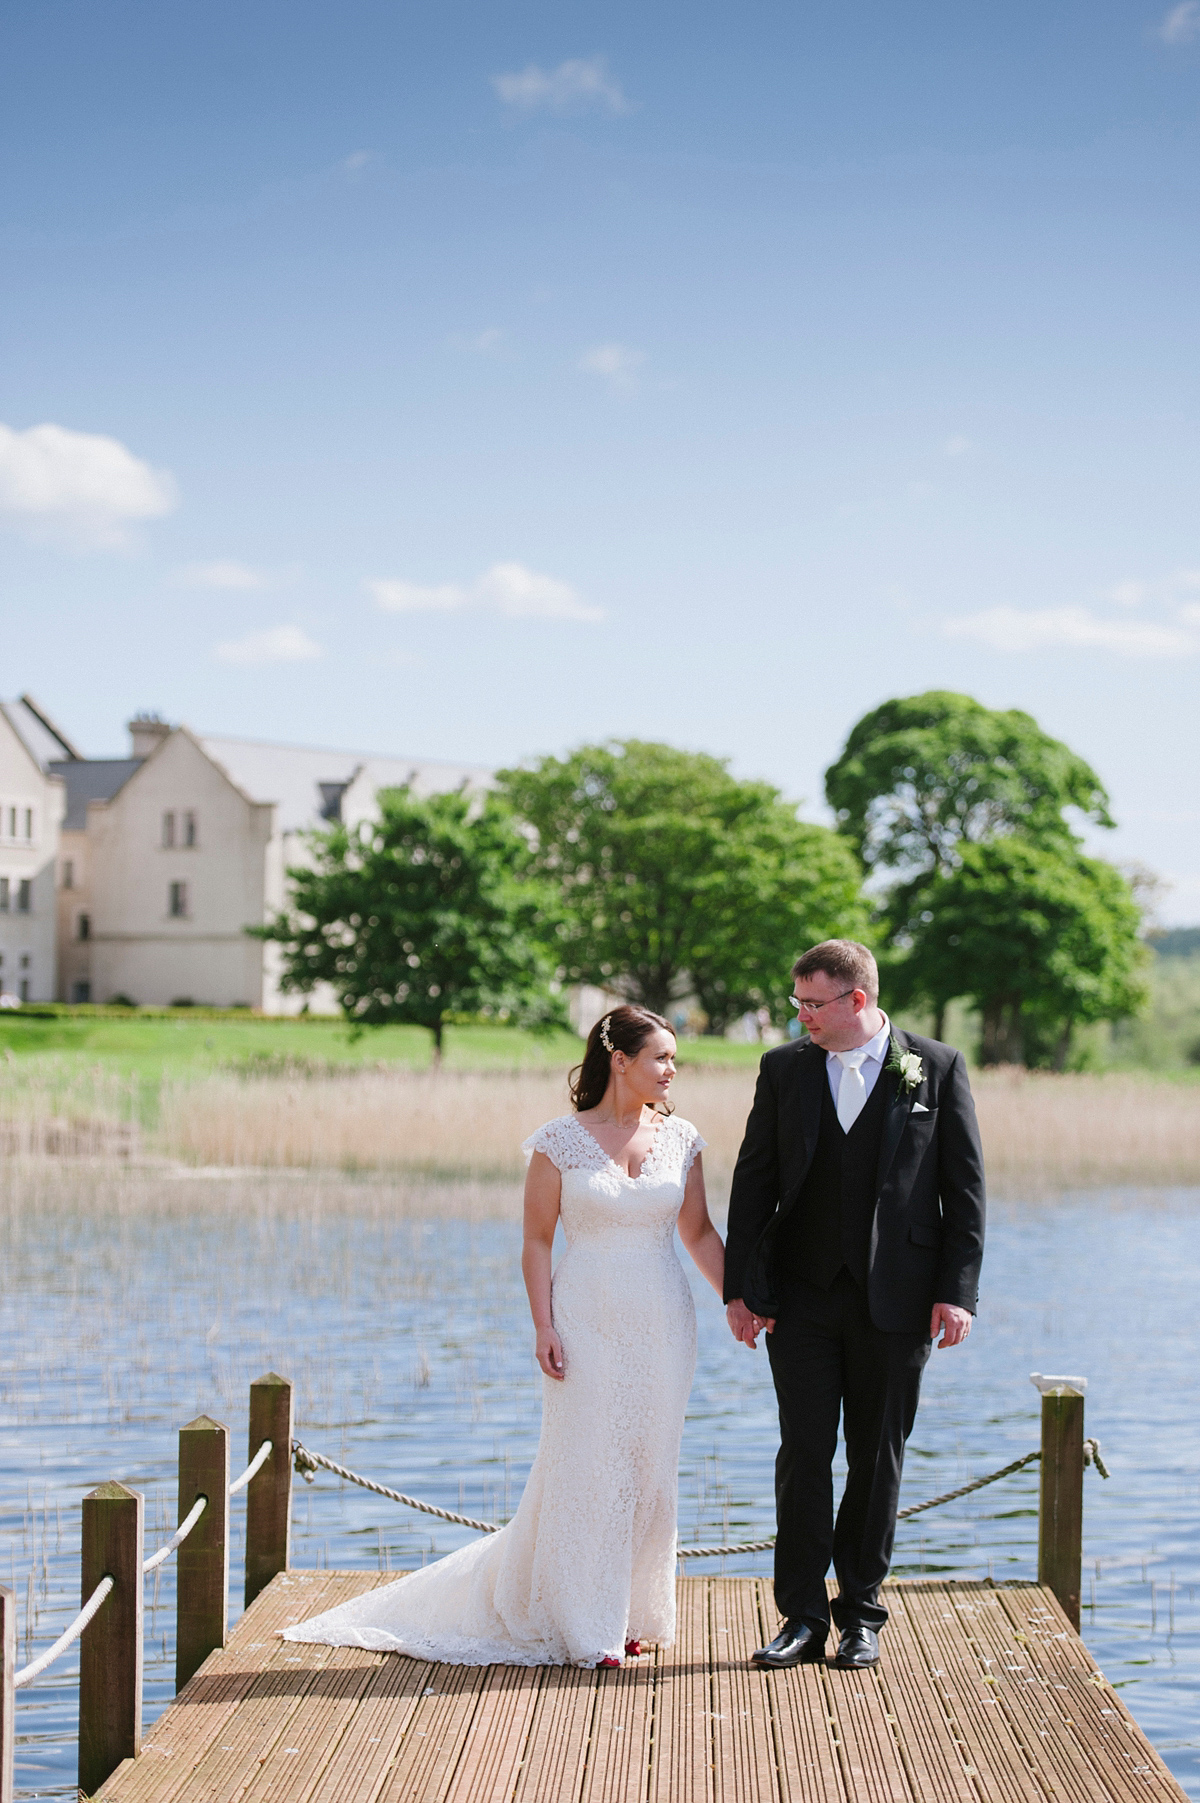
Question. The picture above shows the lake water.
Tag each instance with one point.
(129, 1305)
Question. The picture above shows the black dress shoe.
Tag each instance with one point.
(858, 1650)
(795, 1644)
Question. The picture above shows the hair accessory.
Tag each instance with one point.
(605, 1041)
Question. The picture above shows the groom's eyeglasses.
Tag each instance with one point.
(815, 1007)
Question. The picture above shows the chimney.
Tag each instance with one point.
(146, 732)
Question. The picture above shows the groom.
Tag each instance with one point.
(855, 1238)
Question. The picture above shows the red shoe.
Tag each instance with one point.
(633, 1649)
(608, 1663)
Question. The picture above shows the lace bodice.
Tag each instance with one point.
(569, 1146)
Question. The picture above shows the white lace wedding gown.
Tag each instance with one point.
(588, 1560)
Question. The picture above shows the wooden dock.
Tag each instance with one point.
(985, 1695)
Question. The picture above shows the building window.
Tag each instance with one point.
(4, 895)
(85, 926)
(24, 895)
(189, 827)
(12, 823)
(168, 833)
(29, 823)
(177, 901)
(81, 992)
(24, 989)
(68, 876)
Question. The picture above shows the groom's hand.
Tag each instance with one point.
(744, 1325)
(954, 1324)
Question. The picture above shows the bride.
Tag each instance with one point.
(585, 1570)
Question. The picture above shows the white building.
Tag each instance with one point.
(31, 811)
(166, 856)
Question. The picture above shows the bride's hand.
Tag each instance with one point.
(550, 1353)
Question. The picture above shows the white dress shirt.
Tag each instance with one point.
(876, 1050)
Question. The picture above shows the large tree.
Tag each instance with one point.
(923, 774)
(1039, 937)
(677, 878)
(432, 909)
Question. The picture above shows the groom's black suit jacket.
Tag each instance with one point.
(926, 1236)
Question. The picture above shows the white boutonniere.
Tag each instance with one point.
(909, 1069)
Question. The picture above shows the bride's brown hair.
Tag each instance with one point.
(626, 1029)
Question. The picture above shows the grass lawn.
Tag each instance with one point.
(183, 1045)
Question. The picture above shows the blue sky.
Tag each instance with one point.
(470, 381)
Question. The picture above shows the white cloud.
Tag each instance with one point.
(278, 645)
(83, 485)
(958, 446)
(616, 363)
(223, 573)
(510, 589)
(575, 85)
(357, 160)
(1011, 629)
(1127, 594)
(1181, 24)
(396, 597)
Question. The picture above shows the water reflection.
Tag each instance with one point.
(131, 1304)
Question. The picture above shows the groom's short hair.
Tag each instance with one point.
(845, 960)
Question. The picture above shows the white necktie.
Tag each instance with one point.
(852, 1089)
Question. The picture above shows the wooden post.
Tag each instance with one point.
(269, 1492)
(1060, 1502)
(202, 1580)
(8, 1696)
(110, 1651)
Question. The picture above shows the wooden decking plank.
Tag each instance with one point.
(619, 1760)
(807, 1761)
(681, 1768)
(315, 1728)
(429, 1752)
(183, 1735)
(357, 1766)
(559, 1736)
(743, 1740)
(497, 1737)
(925, 1742)
(1087, 1711)
(1002, 1767)
(1047, 1744)
(866, 1731)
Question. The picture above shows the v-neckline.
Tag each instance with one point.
(628, 1175)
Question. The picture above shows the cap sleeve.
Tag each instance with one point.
(692, 1141)
(553, 1139)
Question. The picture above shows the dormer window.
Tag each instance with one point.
(29, 823)
(189, 827)
(168, 831)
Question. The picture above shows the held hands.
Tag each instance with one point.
(954, 1324)
(746, 1326)
(550, 1353)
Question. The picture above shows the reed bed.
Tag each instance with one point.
(1042, 1133)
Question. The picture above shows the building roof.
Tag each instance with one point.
(39, 736)
(306, 784)
(91, 779)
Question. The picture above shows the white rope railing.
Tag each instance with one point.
(29, 1672)
(34, 1669)
(178, 1537)
(256, 1464)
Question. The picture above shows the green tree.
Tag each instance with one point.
(1039, 937)
(431, 910)
(678, 878)
(922, 774)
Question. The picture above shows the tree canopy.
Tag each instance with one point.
(431, 910)
(677, 877)
(1040, 938)
(923, 774)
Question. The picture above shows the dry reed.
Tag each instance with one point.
(1042, 1133)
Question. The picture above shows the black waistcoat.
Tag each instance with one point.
(830, 1225)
